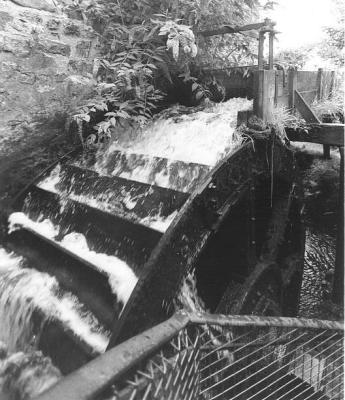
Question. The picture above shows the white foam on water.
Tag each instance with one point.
(158, 222)
(45, 227)
(201, 137)
(49, 182)
(104, 202)
(24, 290)
(188, 296)
(130, 202)
(122, 279)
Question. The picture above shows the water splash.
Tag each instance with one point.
(52, 180)
(200, 137)
(188, 297)
(158, 222)
(45, 228)
(121, 277)
(24, 292)
(106, 202)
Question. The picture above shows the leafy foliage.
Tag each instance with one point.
(333, 47)
(145, 43)
(293, 58)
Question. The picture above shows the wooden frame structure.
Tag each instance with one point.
(295, 90)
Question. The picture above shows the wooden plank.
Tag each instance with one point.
(332, 134)
(292, 79)
(243, 117)
(306, 80)
(108, 233)
(304, 109)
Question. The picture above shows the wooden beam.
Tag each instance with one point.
(292, 81)
(234, 29)
(332, 134)
(306, 112)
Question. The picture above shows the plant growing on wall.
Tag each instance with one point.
(147, 42)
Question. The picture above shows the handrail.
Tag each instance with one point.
(99, 374)
(93, 378)
(252, 321)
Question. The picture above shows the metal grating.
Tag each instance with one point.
(173, 373)
(216, 357)
(272, 364)
(210, 361)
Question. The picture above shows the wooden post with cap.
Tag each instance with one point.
(261, 50)
(270, 58)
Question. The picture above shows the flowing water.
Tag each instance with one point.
(25, 293)
(30, 298)
(189, 146)
(200, 137)
(319, 261)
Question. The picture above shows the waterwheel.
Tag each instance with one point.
(237, 226)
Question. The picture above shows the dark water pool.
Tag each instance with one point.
(319, 260)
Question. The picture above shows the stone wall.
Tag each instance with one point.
(46, 64)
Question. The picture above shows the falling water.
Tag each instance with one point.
(202, 137)
(24, 293)
(25, 375)
(188, 146)
(122, 279)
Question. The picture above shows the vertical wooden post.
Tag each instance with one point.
(261, 50)
(338, 282)
(319, 83)
(320, 95)
(276, 87)
(264, 90)
(292, 80)
(326, 151)
(270, 58)
(332, 85)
